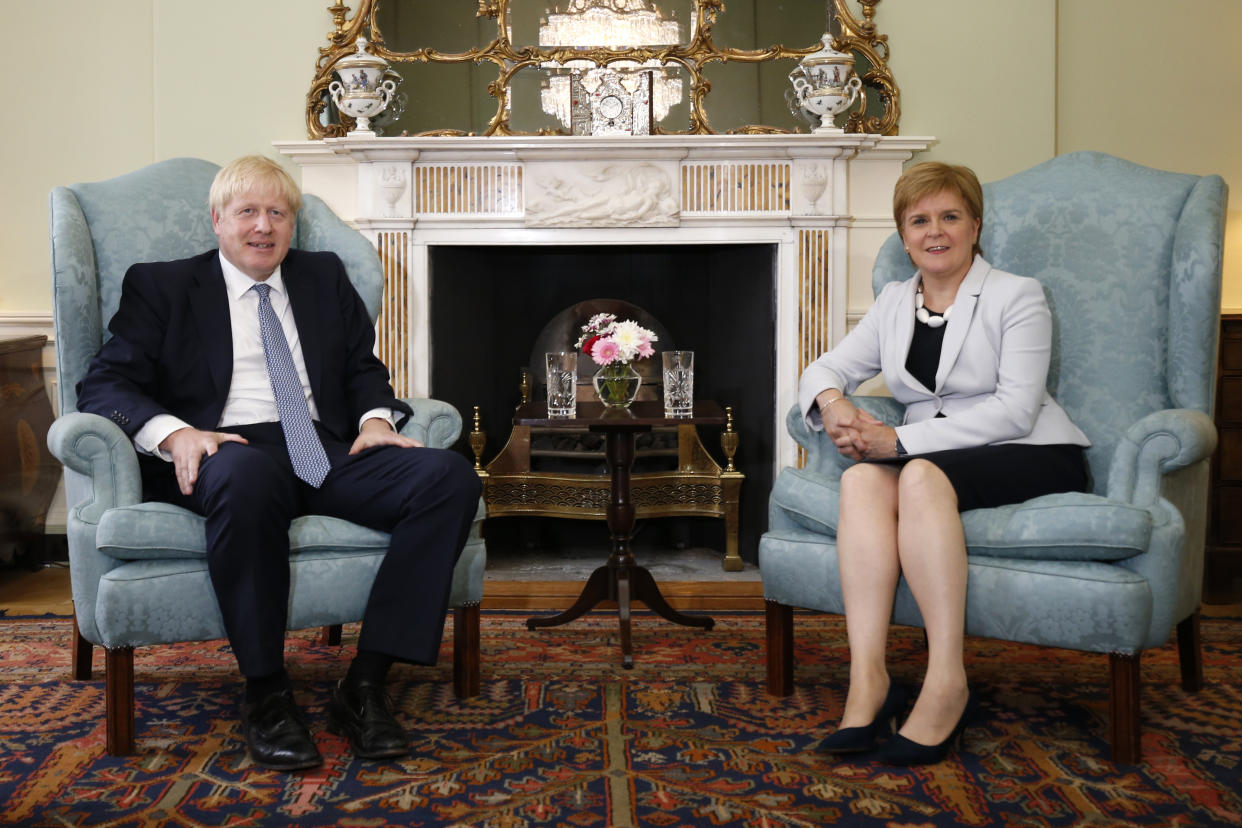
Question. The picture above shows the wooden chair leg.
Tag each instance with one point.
(1190, 653)
(330, 635)
(1124, 708)
(780, 648)
(466, 679)
(83, 652)
(119, 700)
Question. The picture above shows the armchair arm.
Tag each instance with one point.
(822, 456)
(101, 471)
(99, 451)
(1161, 464)
(1162, 442)
(434, 422)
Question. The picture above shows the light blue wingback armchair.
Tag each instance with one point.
(139, 570)
(1130, 260)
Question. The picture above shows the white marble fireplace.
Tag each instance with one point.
(822, 201)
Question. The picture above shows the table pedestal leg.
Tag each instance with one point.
(646, 590)
(598, 588)
(621, 579)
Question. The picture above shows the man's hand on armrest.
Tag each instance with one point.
(379, 432)
(187, 447)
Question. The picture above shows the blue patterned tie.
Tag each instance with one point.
(305, 449)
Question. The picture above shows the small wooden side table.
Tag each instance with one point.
(621, 579)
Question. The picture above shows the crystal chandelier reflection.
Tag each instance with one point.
(607, 24)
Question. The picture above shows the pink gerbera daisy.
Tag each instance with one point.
(605, 351)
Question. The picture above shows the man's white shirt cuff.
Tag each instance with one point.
(378, 414)
(154, 431)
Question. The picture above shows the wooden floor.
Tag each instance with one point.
(557, 595)
(39, 592)
(47, 591)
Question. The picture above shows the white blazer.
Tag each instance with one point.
(990, 384)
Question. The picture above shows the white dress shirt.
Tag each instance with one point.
(250, 398)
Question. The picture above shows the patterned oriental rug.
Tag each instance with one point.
(562, 736)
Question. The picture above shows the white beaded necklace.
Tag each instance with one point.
(925, 316)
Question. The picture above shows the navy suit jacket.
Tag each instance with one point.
(171, 350)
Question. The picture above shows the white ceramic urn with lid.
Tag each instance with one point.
(825, 85)
(364, 86)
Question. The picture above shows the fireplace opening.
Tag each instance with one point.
(488, 305)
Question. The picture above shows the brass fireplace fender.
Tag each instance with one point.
(699, 487)
(857, 36)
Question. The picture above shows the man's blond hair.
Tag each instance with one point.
(253, 173)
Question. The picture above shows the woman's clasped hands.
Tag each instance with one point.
(856, 434)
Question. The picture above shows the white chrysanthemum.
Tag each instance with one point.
(630, 337)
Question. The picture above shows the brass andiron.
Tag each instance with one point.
(728, 439)
(731, 479)
(525, 386)
(478, 439)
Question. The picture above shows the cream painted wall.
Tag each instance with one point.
(1002, 85)
(980, 76)
(999, 123)
(231, 76)
(68, 127)
(130, 82)
(1159, 84)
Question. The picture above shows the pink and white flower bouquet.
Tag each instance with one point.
(608, 341)
(614, 345)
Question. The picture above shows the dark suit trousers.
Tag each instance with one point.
(426, 498)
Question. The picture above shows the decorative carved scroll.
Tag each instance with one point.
(856, 35)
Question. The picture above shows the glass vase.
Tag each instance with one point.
(616, 384)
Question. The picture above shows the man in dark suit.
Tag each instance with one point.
(246, 378)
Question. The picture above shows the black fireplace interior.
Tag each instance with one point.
(490, 303)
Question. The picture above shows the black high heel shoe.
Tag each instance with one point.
(864, 738)
(902, 751)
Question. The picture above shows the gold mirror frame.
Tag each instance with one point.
(857, 36)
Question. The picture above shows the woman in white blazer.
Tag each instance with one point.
(980, 430)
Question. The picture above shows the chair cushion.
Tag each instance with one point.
(1071, 526)
(151, 531)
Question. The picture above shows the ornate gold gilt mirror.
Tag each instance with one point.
(520, 67)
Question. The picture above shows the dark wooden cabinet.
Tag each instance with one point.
(28, 472)
(1222, 579)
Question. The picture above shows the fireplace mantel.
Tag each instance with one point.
(823, 201)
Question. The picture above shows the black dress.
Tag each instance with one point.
(994, 475)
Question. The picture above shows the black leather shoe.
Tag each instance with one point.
(362, 715)
(902, 751)
(276, 736)
(863, 738)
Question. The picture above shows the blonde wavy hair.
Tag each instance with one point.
(249, 173)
